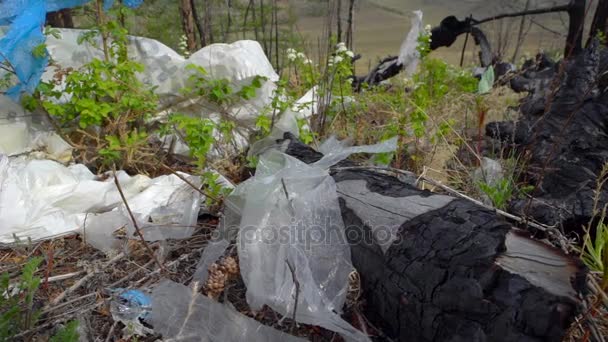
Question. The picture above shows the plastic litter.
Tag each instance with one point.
(130, 305)
(56, 200)
(181, 314)
(98, 230)
(239, 63)
(409, 55)
(19, 138)
(167, 209)
(290, 227)
(491, 173)
(131, 308)
(42, 199)
(26, 19)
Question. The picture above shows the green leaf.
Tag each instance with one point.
(487, 81)
(39, 51)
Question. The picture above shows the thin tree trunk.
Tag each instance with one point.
(339, 20)
(351, 25)
(276, 34)
(208, 25)
(66, 15)
(229, 24)
(599, 20)
(255, 21)
(199, 24)
(271, 33)
(520, 35)
(245, 18)
(576, 15)
(263, 24)
(188, 24)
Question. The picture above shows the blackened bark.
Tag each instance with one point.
(576, 25)
(598, 25)
(455, 271)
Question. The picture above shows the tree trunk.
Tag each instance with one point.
(66, 15)
(208, 24)
(62, 19)
(599, 20)
(202, 35)
(520, 34)
(276, 34)
(255, 20)
(437, 268)
(339, 20)
(263, 26)
(576, 25)
(351, 25)
(229, 23)
(188, 24)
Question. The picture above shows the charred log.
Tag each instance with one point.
(451, 270)
(563, 129)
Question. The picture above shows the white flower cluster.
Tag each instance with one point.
(183, 46)
(427, 31)
(341, 52)
(293, 55)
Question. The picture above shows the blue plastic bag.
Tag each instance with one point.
(26, 20)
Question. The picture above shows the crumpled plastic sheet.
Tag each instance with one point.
(42, 199)
(18, 137)
(165, 69)
(181, 314)
(26, 19)
(409, 55)
(288, 224)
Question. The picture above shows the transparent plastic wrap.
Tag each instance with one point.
(291, 238)
(409, 56)
(181, 314)
(167, 209)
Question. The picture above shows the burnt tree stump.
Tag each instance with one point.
(453, 271)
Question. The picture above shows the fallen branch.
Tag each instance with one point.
(82, 281)
(135, 225)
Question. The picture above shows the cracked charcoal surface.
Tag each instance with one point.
(441, 279)
(564, 136)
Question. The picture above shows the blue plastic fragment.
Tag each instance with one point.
(137, 298)
(26, 21)
(132, 304)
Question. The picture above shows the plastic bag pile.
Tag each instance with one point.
(41, 199)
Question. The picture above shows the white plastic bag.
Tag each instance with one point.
(290, 228)
(409, 55)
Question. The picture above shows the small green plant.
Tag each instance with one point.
(215, 190)
(499, 193)
(306, 135)
(594, 251)
(197, 134)
(17, 301)
(102, 107)
(67, 333)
